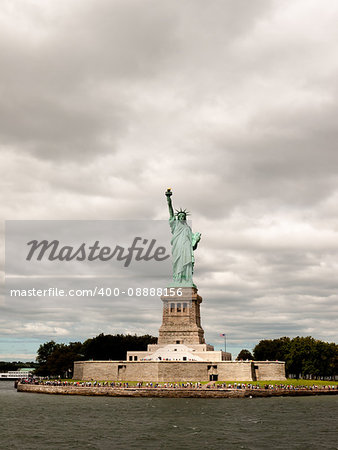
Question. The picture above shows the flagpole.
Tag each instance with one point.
(225, 343)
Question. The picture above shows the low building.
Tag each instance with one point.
(181, 353)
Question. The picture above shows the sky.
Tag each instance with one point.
(232, 104)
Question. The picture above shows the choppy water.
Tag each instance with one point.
(37, 421)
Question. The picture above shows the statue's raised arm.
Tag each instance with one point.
(170, 206)
(183, 244)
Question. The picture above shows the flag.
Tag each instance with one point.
(222, 334)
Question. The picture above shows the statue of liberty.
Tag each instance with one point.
(183, 244)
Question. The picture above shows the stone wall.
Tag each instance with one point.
(269, 370)
(182, 371)
(132, 392)
(88, 370)
(235, 371)
(173, 393)
(159, 371)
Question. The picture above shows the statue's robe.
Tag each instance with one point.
(182, 243)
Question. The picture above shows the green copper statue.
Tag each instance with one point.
(183, 244)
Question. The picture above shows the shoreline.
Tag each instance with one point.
(169, 392)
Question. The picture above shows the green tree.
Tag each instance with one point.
(303, 356)
(6, 366)
(58, 359)
(272, 349)
(44, 352)
(115, 347)
(244, 354)
(333, 362)
(311, 357)
(61, 360)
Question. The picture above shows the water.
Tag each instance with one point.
(37, 421)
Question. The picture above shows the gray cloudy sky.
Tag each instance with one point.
(233, 104)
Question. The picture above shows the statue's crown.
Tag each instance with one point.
(184, 211)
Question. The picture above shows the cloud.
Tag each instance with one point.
(232, 104)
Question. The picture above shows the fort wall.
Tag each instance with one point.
(179, 371)
(172, 393)
(269, 370)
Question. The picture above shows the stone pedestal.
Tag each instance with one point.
(181, 322)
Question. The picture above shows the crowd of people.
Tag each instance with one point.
(186, 385)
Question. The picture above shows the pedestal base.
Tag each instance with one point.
(181, 317)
